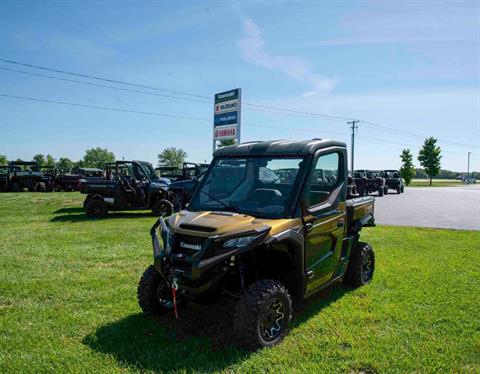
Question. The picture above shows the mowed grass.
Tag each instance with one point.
(68, 303)
(436, 183)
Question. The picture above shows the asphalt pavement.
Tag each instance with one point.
(441, 207)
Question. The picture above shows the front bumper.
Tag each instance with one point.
(197, 271)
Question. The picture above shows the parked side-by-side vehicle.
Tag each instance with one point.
(187, 171)
(368, 182)
(393, 181)
(69, 180)
(28, 175)
(268, 225)
(127, 185)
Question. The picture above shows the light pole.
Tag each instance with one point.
(468, 164)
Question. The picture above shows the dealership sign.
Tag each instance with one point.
(226, 116)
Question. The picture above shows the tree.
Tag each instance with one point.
(224, 143)
(64, 163)
(429, 157)
(50, 161)
(3, 160)
(39, 159)
(407, 171)
(172, 157)
(97, 157)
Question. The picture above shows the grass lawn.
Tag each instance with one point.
(68, 303)
(437, 183)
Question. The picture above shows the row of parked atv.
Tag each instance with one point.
(366, 182)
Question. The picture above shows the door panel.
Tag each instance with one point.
(323, 248)
(324, 217)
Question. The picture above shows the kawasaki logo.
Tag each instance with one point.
(195, 247)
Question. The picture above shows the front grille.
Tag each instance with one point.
(187, 245)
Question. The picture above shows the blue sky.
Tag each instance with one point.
(413, 66)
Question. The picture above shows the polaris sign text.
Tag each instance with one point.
(226, 116)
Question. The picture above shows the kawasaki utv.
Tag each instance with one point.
(268, 226)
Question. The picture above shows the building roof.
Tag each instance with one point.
(277, 148)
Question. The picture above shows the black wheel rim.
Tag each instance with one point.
(164, 297)
(97, 210)
(367, 267)
(272, 319)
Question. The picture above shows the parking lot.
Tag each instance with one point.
(440, 207)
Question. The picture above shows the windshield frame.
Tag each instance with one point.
(147, 169)
(289, 206)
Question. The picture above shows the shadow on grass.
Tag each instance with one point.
(201, 340)
(69, 210)
(83, 217)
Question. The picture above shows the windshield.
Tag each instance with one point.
(149, 171)
(257, 186)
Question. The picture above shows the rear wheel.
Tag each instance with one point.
(262, 314)
(16, 187)
(96, 208)
(399, 190)
(385, 190)
(361, 266)
(403, 189)
(154, 296)
(40, 187)
(162, 208)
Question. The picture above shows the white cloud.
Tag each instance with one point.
(252, 45)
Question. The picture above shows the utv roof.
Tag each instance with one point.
(277, 148)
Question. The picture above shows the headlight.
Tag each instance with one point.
(239, 242)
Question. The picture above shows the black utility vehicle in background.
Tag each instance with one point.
(69, 180)
(127, 185)
(182, 191)
(187, 171)
(28, 175)
(393, 181)
(369, 181)
(3, 177)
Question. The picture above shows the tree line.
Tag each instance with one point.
(93, 158)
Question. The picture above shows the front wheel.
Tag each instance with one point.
(162, 208)
(96, 208)
(399, 190)
(262, 315)
(403, 189)
(361, 266)
(385, 190)
(380, 191)
(153, 294)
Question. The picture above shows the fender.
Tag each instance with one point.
(294, 238)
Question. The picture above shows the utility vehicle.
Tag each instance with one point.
(127, 185)
(182, 191)
(28, 175)
(187, 171)
(69, 180)
(265, 228)
(3, 177)
(369, 181)
(393, 180)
